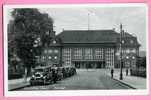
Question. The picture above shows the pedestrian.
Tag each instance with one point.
(130, 71)
(126, 71)
(112, 72)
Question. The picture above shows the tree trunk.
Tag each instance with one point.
(25, 74)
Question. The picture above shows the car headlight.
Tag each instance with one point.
(33, 76)
(41, 75)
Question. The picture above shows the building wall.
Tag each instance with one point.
(129, 56)
(130, 52)
(51, 55)
(96, 55)
(108, 57)
(84, 55)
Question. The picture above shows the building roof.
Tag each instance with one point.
(90, 36)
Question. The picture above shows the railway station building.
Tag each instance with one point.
(91, 49)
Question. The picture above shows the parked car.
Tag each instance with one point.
(72, 71)
(69, 71)
(60, 73)
(42, 75)
(64, 72)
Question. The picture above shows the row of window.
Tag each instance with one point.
(66, 56)
(49, 57)
(124, 51)
(99, 53)
(130, 63)
(109, 57)
(88, 53)
(77, 53)
(46, 51)
(124, 41)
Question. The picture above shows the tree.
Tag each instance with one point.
(29, 30)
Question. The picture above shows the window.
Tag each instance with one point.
(88, 53)
(131, 41)
(78, 53)
(66, 54)
(133, 63)
(99, 53)
(55, 57)
(56, 51)
(133, 57)
(49, 51)
(109, 57)
(133, 50)
(45, 51)
(128, 51)
(54, 41)
(49, 57)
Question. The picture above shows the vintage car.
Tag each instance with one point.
(72, 71)
(69, 71)
(58, 72)
(42, 75)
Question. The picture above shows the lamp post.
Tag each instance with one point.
(121, 64)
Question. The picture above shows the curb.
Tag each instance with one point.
(125, 84)
(20, 87)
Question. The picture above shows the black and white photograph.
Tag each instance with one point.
(76, 49)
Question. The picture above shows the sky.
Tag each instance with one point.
(100, 18)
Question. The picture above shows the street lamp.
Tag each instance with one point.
(121, 64)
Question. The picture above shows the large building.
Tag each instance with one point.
(91, 49)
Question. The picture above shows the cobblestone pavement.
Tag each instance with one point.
(83, 80)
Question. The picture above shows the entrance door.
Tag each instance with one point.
(77, 64)
(100, 65)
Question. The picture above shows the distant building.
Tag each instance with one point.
(91, 48)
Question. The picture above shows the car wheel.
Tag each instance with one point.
(31, 83)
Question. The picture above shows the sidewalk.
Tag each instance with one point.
(17, 83)
(132, 81)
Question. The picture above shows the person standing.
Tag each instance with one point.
(126, 71)
(112, 73)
